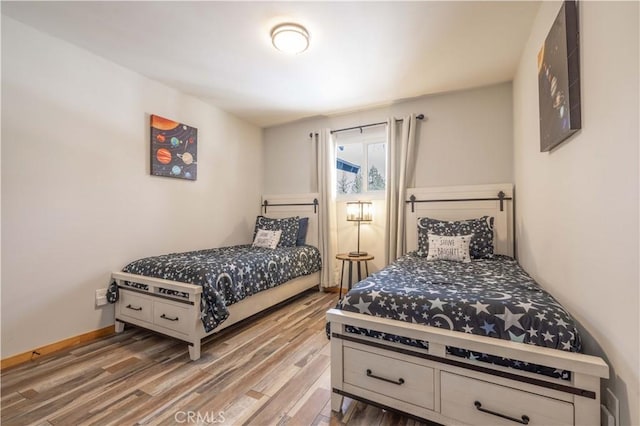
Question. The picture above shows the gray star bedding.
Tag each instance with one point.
(489, 297)
(229, 274)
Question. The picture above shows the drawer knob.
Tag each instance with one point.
(524, 420)
(135, 308)
(163, 316)
(395, 382)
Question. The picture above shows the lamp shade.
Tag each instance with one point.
(360, 211)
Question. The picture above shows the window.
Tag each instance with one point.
(361, 163)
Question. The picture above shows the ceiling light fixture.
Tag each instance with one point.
(290, 38)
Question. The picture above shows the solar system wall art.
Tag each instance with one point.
(559, 79)
(174, 148)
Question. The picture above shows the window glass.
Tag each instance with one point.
(350, 161)
(376, 163)
(361, 163)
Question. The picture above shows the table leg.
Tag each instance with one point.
(366, 267)
(341, 278)
(350, 274)
(359, 271)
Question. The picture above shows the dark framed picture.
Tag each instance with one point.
(174, 149)
(559, 79)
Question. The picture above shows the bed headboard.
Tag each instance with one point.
(303, 205)
(463, 202)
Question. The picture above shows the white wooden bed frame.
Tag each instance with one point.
(180, 317)
(433, 385)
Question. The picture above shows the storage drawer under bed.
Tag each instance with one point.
(475, 401)
(167, 314)
(171, 316)
(135, 306)
(390, 377)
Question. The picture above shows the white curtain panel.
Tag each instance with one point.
(326, 181)
(400, 173)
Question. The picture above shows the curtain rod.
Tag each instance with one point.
(418, 117)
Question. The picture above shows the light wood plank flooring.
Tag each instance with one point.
(269, 370)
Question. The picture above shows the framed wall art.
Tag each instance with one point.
(559, 79)
(174, 149)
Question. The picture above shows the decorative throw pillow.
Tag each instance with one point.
(267, 239)
(481, 246)
(443, 247)
(303, 225)
(289, 227)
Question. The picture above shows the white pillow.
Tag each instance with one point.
(267, 239)
(454, 248)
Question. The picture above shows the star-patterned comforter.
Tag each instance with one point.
(488, 297)
(230, 274)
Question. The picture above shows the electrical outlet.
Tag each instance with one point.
(613, 405)
(101, 297)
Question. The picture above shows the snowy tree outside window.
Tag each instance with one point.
(361, 164)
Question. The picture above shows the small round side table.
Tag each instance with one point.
(360, 260)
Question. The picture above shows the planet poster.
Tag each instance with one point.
(559, 79)
(174, 148)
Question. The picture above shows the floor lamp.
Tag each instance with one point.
(359, 211)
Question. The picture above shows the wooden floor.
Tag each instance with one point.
(271, 370)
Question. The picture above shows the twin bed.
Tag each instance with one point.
(462, 342)
(469, 342)
(192, 295)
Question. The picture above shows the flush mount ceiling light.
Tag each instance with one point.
(290, 38)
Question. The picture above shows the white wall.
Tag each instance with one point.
(577, 206)
(472, 129)
(467, 138)
(77, 198)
